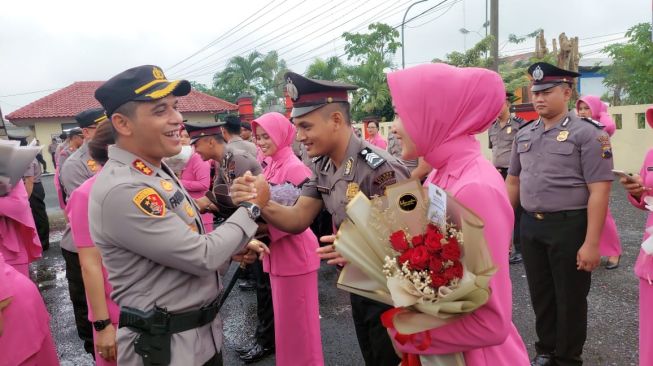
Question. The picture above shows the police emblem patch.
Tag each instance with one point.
(562, 136)
(149, 201)
(606, 147)
(157, 73)
(141, 167)
(352, 190)
(348, 166)
(166, 185)
(291, 89)
(92, 165)
(385, 179)
(538, 74)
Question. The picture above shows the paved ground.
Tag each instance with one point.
(612, 333)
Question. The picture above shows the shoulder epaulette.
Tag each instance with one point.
(527, 123)
(596, 123)
(316, 159)
(518, 119)
(371, 158)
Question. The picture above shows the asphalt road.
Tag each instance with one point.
(612, 332)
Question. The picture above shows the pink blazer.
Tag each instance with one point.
(644, 263)
(196, 178)
(19, 240)
(378, 141)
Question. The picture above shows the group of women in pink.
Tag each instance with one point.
(439, 110)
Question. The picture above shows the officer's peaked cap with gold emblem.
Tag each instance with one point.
(90, 117)
(310, 94)
(142, 83)
(196, 131)
(546, 76)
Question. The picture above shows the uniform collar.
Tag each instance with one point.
(562, 125)
(235, 139)
(348, 166)
(135, 162)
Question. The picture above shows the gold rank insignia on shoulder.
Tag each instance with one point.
(189, 210)
(92, 165)
(349, 165)
(562, 136)
(166, 185)
(141, 167)
(352, 190)
(149, 201)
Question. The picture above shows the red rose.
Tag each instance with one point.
(417, 240)
(435, 264)
(398, 241)
(432, 243)
(437, 280)
(405, 257)
(457, 269)
(419, 258)
(451, 251)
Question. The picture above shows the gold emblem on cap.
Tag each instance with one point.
(352, 189)
(329, 100)
(166, 185)
(157, 73)
(562, 136)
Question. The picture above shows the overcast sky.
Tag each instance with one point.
(45, 45)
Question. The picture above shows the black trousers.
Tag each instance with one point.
(516, 236)
(265, 327)
(558, 290)
(373, 338)
(54, 161)
(78, 298)
(37, 203)
(216, 360)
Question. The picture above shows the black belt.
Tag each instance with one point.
(558, 215)
(160, 321)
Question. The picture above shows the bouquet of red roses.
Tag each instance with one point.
(423, 254)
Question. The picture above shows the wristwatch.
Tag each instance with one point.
(252, 209)
(99, 325)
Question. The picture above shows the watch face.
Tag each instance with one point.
(256, 211)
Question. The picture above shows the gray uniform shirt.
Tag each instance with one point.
(74, 171)
(555, 166)
(150, 234)
(501, 139)
(34, 170)
(237, 143)
(234, 164)
(394, 148)
(365, 168)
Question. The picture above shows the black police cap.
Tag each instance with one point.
(310, 94)
(196, 131)
(75, 132)
(142, 83)
(90, 117)
(546, 76)
(231, 121)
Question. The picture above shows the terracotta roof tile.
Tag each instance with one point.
(78, 96)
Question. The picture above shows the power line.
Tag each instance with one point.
(437, 17)
(30, 92)
(271, 39)
(221, 37)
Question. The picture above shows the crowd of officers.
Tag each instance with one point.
(162, 263)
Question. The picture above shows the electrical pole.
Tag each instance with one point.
(494, 31)
(403, 45)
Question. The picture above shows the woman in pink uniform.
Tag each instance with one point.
(25, 338)
(640, 187)
(439, 110)
(19, 241)
(375, 137)
(98, 290)
(196, 178)
(590, 106)
(292, 263)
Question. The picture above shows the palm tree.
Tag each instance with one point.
(242, 75)
(330, 69)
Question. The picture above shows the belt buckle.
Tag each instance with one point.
(539, 216)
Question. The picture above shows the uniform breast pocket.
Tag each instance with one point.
(559, 147)
(523, 146)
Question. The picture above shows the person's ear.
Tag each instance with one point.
(338, 118)
(121, 124)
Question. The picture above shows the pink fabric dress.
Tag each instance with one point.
(26, 338)
(19, 241)
(442, 107)
(644, 270)
(610, 244)
(196, 178)
(77, 212)
(378, 141)
(292, 263)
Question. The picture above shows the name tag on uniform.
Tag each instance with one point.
(324, 190)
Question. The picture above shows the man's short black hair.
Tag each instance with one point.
(232, 124)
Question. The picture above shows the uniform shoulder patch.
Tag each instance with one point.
(139, 165)
(150, 202)
(596, 123)
(371, 158)
(386, 178)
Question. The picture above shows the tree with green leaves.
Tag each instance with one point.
(373, 51)
(242, 75)
(629, 77)
(330, 69)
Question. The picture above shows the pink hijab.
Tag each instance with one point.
(283, 166)
(442, 107)
(649, 116)
(599, 112)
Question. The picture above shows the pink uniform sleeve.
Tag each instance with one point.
(77, 212)
(490, 324)
(5, 286)
(200, 171)
(643, 172)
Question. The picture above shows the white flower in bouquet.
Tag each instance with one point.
(178, 162)
(284, 194)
